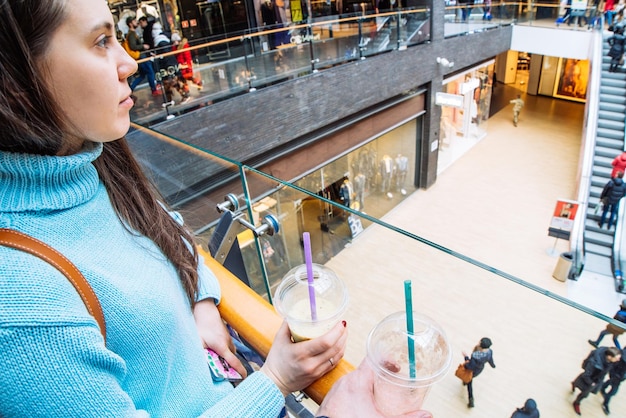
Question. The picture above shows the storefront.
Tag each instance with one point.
(464, 117)
(372, 178)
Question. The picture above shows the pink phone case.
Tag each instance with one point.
(220, 369)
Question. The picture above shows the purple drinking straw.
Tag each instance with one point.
(308, 259)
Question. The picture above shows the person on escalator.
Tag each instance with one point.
(616, 52)
(619, 164)
(612, 193)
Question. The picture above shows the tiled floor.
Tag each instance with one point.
(494, 206)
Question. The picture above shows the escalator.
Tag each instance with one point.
(609, 143)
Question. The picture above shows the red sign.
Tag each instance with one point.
(564, 215)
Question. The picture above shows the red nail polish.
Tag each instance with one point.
(343, 323)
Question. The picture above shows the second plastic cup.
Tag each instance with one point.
(292, 301)
(395, 391)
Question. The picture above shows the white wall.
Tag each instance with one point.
(552, 42)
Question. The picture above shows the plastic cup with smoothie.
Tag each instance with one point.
(396, 392)
(292, 301)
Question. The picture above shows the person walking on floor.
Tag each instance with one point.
(617, 374)
(596, 366)
(518, 104)
(613, 329)
(619, 164)
(481, 354)
(529, 410)
(185, 61)
(612, 193)
(146, 69)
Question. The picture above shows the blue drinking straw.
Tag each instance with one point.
(308, 259)
(409, 327)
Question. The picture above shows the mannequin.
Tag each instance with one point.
(147, 9)
(359, 189)
(386, 173)
(402, 168)
(371, 171)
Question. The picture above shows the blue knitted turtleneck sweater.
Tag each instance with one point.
(53, 359)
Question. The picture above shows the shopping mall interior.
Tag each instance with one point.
(388, 135)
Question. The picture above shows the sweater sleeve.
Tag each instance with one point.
(257, 396)
(208, 286)
(65, 371)
(61, 371)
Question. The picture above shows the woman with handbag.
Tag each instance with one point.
(475, 362)
(70, 180)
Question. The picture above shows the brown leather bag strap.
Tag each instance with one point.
(26, 243)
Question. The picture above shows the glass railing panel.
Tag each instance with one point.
(282, 62)
(379, 34)
(210, 80)
(191, 180)
(555, 15)
(269, 254)
(546, 14)
(237, 63)
(470, 299)
(336, 41)
(194, 182)
(503, 12)
(414, 27)
(462, 20)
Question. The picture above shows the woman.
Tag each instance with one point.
(596, 366)
(68, 180)
(185, 63)
(476, 363)
(616, 41)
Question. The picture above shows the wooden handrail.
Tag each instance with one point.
(256, 321)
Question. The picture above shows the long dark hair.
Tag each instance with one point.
(30, 123)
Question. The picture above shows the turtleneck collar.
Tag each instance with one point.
(42, 182)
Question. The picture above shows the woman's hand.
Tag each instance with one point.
(214, 334)
(353, 396)
(294, 366)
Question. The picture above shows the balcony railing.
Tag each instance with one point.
(241, 63)
(238, 63)
(528, 323)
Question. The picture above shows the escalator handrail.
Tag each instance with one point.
(585, 168)
(618, 236)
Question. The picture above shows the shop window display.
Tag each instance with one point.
(463, 127)
(371, 179)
